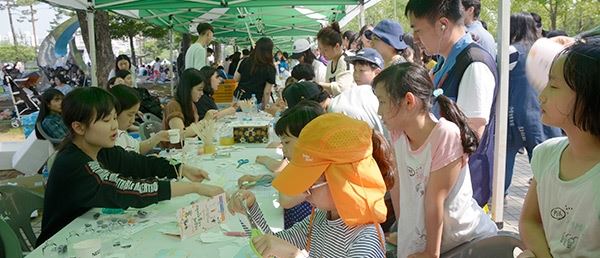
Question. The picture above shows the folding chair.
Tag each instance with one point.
(9, 243)
(148, 128)
(17, 204)
(498, 246)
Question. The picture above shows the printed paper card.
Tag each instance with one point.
(201, 216)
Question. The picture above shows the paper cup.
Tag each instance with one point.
(88, 248)
(174, 136)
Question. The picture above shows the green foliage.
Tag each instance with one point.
(11, 53)
(123, 28)
(60, 14)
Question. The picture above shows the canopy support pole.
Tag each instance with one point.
(362, 14)
(171, 73)
(501, 115)
(92, 41)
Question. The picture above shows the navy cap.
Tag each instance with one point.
(369, 55)
(390, 32)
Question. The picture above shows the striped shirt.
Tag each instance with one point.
(330, 238)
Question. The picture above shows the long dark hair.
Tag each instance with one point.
(206, 73)
(402, 78)
(262, 55)
(235, 60)
(45, 100)
(189, 78)
(86, 105)
(383, 153)
(522, 29)
(309, 57)
(294, 119)
(581, 69)
(119, 58)
(126, 96)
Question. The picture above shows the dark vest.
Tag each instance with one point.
(481, 162)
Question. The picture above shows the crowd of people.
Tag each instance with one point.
(387, 136)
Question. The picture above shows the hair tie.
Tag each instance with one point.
(438, 92)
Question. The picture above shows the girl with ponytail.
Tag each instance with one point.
(339, 72)
(433, 198)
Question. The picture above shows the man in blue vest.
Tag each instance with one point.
(466, 73)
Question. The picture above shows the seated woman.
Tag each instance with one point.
(129, 106)
(149, 104)
(89, 171)
(210, 83)
(341, 166)
(49, 116)
(181, 112)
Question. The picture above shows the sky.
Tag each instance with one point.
(45, 15)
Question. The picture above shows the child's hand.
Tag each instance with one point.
(269, 245)
(209, 190)
(392, 238)
(236, 201)
(194, 174)
(246, 179)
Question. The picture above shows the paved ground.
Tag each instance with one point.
(517, 191)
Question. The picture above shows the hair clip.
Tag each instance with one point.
(438, 92)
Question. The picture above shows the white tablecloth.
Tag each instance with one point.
(144, 234)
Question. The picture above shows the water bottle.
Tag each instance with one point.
(255, 103)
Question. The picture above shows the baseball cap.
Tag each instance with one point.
(390, 32)
(296, 92)
(369, 55)
(340, 148)
(300, 45)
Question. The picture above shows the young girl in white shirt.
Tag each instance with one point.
(129, 105)
(433, 198)
(561, 213)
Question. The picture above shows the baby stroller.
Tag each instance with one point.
(22, 90)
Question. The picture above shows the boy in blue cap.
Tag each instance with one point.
(388, 39)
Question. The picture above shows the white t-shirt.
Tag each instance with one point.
(127, 142)
(340, 77)
(195, 57)
(476, 91)
(156, 66)
(359, 102)
(463, 219)
(320, 71)
(570, 210)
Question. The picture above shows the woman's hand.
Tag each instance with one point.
(194, 174)
(162, 136)
(269, 245)
(238, 199)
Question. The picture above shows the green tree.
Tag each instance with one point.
(9, 5)
(11, 53)
(61, 13)
(125, 28)
(28, 15)
(105, 57)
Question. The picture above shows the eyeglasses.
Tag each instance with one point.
(315, 187)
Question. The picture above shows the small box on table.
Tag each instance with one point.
(251, 133)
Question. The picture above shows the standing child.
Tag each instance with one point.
(433, 198)
(128, 108)
(89, 171)
(343, 168)
(561, 213)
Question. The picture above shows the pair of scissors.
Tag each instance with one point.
(264, 180)
(242, 162)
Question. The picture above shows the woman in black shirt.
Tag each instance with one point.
(211, 81)
(256, 74)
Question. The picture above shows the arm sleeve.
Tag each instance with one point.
(476, 91)
(271, 74)
(138, 166)
(55, 128)
(367, 244)
(296, 235)
(205, 104)
(173, 110)
(320, 72)
(100, 187)
(343, 81)
(448, 145)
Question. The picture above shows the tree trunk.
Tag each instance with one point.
(553, 13)
(133, 57)
(33, 26)
(104, 54)
(9, 4)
